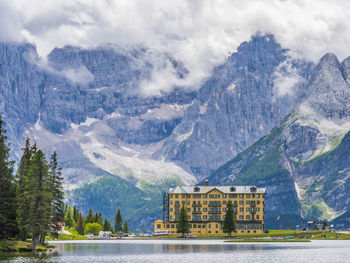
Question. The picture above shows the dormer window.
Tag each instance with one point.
(233, 189)
(196, 189)
(253, 189)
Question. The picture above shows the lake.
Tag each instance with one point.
(179, 251)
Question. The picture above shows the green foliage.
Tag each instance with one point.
(37, 190)
(107, 226)
(182, 227)
(80, 224)
(229, 221)
(118, 222)
(75, 213)
(90, 217)
(108, 193)
(57, 202)
(92, 228)
(313, 211)
(68, 218)
(8, 204)
(125, 227)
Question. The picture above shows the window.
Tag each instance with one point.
(248, 195)
(188, 196)
(218, 196)
(205, 196)
(224, 209)
(232, 189)
(158, 226)
(241, 209)
(217, 225)
(257, 209)
(248, 217)
(188, 202)
(241, 202)
(224, 202)
(248, 209)
(172, 226)
(257, 195)
(199, 226)
(171, 209)
(204, 209)
(171, 217)
(253, 195)
(205, 202)
(248, 202)
(203, 226)
(196, 189)
(240, 217)
(258, 202)
(240, 196)
(194, 226)
(168, 226)
(176, 196)
(223, 217)
(171, 202)
(188, 217)
(188, 209)
(204, 217)
(183, 202)
(223, 196)
(209, 226)
(257, 216)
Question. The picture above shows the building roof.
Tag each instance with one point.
(223, 189)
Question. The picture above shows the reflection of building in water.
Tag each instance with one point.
(206, 208)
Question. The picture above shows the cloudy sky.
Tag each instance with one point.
(201, 33)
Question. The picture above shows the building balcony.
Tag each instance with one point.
(214, 212)
(196, 212)
(214, 204)
(177, 204)
(196, 205)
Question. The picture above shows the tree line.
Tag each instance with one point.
(93, 223)
(32, 200)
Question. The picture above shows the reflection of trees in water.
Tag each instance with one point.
(38, 257)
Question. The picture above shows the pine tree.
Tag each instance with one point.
(118, 222)
(183, 227)
(229, 221)
(107, 225)
(80, 224)
(68, 217)
(8, 204)
(57, 195)
(96, 218)
(90, 217)
(22, 201)
(99, 219)
(75, 213)
(125, 227)
(38, 191)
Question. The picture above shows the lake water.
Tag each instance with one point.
(183, 251)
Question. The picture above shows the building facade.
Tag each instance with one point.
(206, 208)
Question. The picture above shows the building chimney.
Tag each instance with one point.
(206, 182)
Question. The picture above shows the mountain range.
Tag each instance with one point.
(262, 117)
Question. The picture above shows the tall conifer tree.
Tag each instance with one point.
(90, 217)
(183, 227)
(118, 222)
(107, 225)
(80, 224)
(23, 202)
(229, 221)
(75, 213)
(8, 204)
(38, 191)
(57, 202)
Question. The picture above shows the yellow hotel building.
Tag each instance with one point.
(206, 208)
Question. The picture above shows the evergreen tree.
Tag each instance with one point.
(57, 195)
(75, 213)
(22, 201)
(125, 227)
(80, 224)
(229, 221)
(183, 227)
(38, 191)
(8, 203)
(107, 225)
(99, 219)
(90, 217)
(118, 222)
(96, 218)
(68, 218)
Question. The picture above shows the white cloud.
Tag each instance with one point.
(200, 33)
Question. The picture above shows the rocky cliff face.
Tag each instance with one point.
(85, 104)
(304, 162)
